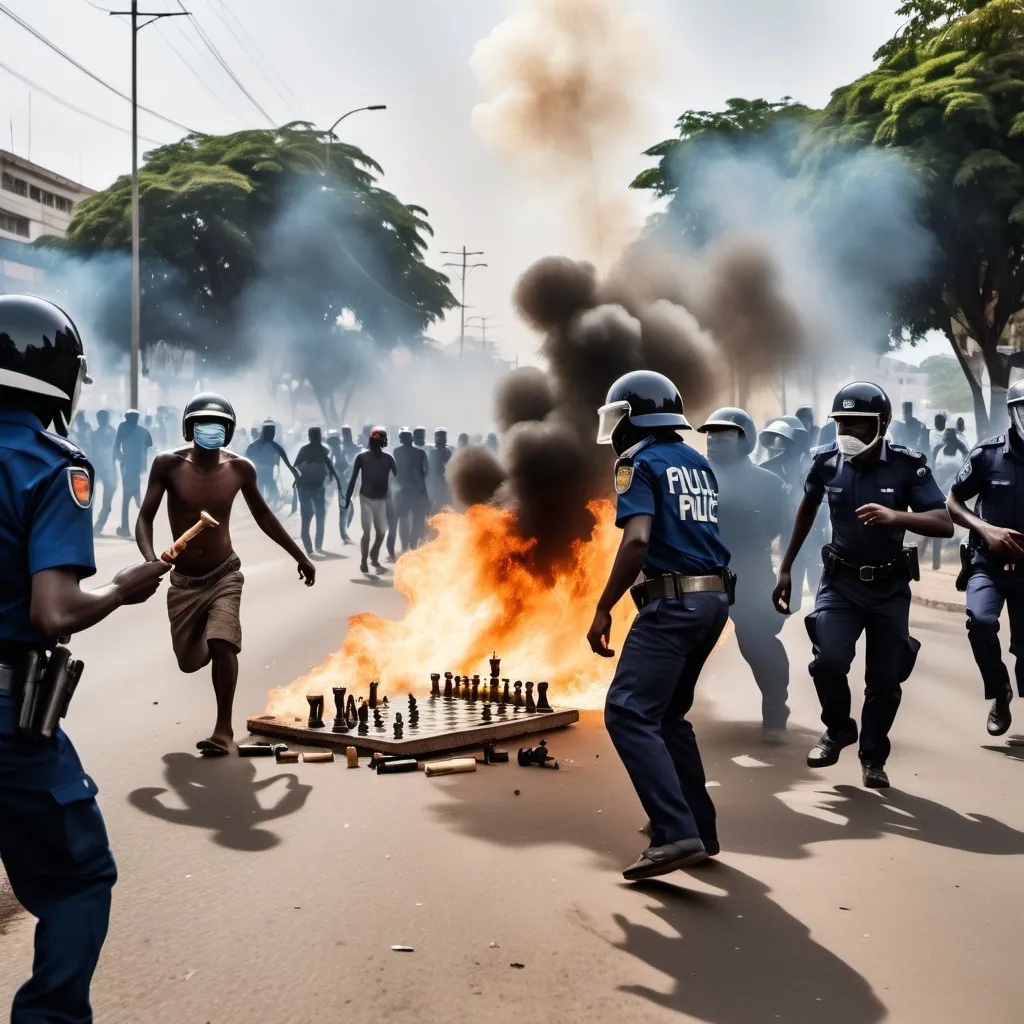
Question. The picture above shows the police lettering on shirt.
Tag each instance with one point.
(697, 498)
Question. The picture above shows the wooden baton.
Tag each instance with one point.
(205, 520)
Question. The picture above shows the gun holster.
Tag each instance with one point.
(48, 683)
(912, 559)
(966, 567)
(730, 585)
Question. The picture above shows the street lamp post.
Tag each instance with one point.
(330, 131)
(134, 13)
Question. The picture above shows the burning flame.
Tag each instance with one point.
(471, 591)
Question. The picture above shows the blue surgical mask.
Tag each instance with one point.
(210, 435)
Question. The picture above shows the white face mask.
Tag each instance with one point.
(1017, 419)
(723, 445)
(851, 446)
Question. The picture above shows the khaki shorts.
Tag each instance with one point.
(202, 609)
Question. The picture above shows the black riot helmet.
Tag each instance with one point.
(41, 356)
(440, 437)
(731, 418)
(268, 431)
(861, 398)
(639, 404)
(346, 434)
(208, 407)
(419, 436)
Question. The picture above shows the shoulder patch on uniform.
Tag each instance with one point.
(922, 471)
(62, 444)
(909, 452)
(80, 485)
(993, 442)
(623, 475)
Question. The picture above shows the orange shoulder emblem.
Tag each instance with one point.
(80, 485)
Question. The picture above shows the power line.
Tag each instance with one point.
(224, 64)
(245, 32)
(71, 106)
(261, 65)
(81, 67)
(206, 85)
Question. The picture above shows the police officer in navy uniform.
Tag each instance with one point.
(865, 585)
(752, 511)
(994, 474)
(52, 839)
(668, 512)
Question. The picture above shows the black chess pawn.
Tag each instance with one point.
(474, 693)
(531, 706)
(492, 694)
(364, 719)
(340, 725)
(447, 686)
(414, 718)
(465, 687)
(458, 687)
(412, 702)
(398, 726)
(506, 696)
(316, 710)
(543, 707)
(518, 702)
(378, 722)
(487, 713)
(435, 684)
(373, 694)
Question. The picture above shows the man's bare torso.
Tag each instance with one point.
(191, 490)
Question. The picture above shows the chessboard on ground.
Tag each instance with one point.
(466, 713)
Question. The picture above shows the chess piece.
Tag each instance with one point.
(378, 722)
(351, 712)
(492, 755)
(506, 696)
(531, 706)
(256, 750)
(384, 701)
(543, 707)
(398, 725)
(495, 663)
(316, 710)
(318, 757)
(286, 756)
(458, 687)
(413, 703)
(408, 764)
(487, 713)
(536, 756)
(465, 687)
(474, 693)
(518, 702)
(374, 686)
(352, 757)
(340, 725)
(364, 719)
(435, 684)
(447, 686)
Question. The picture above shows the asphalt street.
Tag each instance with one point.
(255, 892)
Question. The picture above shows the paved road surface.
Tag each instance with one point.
(254, 892)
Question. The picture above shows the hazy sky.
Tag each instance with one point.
(412, 55)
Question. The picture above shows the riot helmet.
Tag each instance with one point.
(378, 439)
(861, 400)
(268, 431)
(419, 436)
(208, 407)
(405, 436)
(779, 435)
(805, 414)
(440, 438)
(346, 434)
(131, 417)
(731, 434)
(638, 405)
(41, 356)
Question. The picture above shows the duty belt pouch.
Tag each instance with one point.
(729, 579)
(966, 568)
(47, 689)
(913, 562)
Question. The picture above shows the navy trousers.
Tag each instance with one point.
(312, 503)
(844, 609)
(988, 590)
(758, 626)
(54, 848)
(645, 711)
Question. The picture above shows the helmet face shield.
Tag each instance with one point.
(608, 418)
(1017, 419)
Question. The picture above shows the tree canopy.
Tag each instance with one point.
(259, 239)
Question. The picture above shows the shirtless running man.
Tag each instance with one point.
(204, 598)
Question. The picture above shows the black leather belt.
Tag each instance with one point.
(865, 573)
(674, 585)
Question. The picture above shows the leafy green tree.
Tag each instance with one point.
(952, 101)
(263, 239)
(947, 387)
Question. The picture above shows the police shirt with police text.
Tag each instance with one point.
(674, 484)
(897, 478)
(994, 474)
(42, 524)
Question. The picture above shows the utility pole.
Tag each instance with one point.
(483, 329)
(135, 14)
(466, 267)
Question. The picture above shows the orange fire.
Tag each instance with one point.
(470, 592)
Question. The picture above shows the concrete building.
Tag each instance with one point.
(35, 201)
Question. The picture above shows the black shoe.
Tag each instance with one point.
(663, 860)
(825, 752)
(364, 568)
(999, 717)
(874, 775)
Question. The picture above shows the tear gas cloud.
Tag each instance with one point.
(787, 270)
